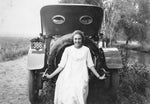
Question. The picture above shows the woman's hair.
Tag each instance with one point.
(78, 32)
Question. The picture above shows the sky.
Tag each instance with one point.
(21, 17)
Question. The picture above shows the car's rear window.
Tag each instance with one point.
(86, 19)
(58, 19)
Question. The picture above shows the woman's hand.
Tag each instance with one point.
(54, 73)
(96, 73)
(102, 77)
(48, 76)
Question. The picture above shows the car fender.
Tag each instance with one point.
(35, 59)
(113, 58)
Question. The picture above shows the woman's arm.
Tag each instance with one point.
(54, 73)
(90, 65)
(96, 73)
(61, 65)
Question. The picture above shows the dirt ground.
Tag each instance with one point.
(13, 82)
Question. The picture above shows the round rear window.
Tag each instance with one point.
(86, 20)
(58, 19)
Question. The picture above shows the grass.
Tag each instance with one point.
(134, 84)
(13, 47)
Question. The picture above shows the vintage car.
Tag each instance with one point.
(57, 24)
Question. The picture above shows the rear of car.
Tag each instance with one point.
(57, 24)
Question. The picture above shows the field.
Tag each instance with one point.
(13, 47)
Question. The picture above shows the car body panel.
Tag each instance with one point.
(72, 15)
(35, 59)
(113, 58)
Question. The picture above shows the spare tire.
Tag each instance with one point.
(60, 44)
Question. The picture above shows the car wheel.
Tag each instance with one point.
(114, 83)
(115, 79)
(107, 83)
(33, 88)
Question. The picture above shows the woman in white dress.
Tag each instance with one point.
(72, 82)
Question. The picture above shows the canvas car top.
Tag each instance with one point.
(63, 19)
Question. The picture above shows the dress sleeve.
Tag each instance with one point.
(89, 59)
(64, 58)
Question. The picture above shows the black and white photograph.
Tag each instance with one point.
(74, 52)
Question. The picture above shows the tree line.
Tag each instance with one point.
(123, 19)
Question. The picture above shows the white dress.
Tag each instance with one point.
(72, 82)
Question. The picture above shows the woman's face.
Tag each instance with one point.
(77, 39)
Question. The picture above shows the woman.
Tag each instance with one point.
(72, 82)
